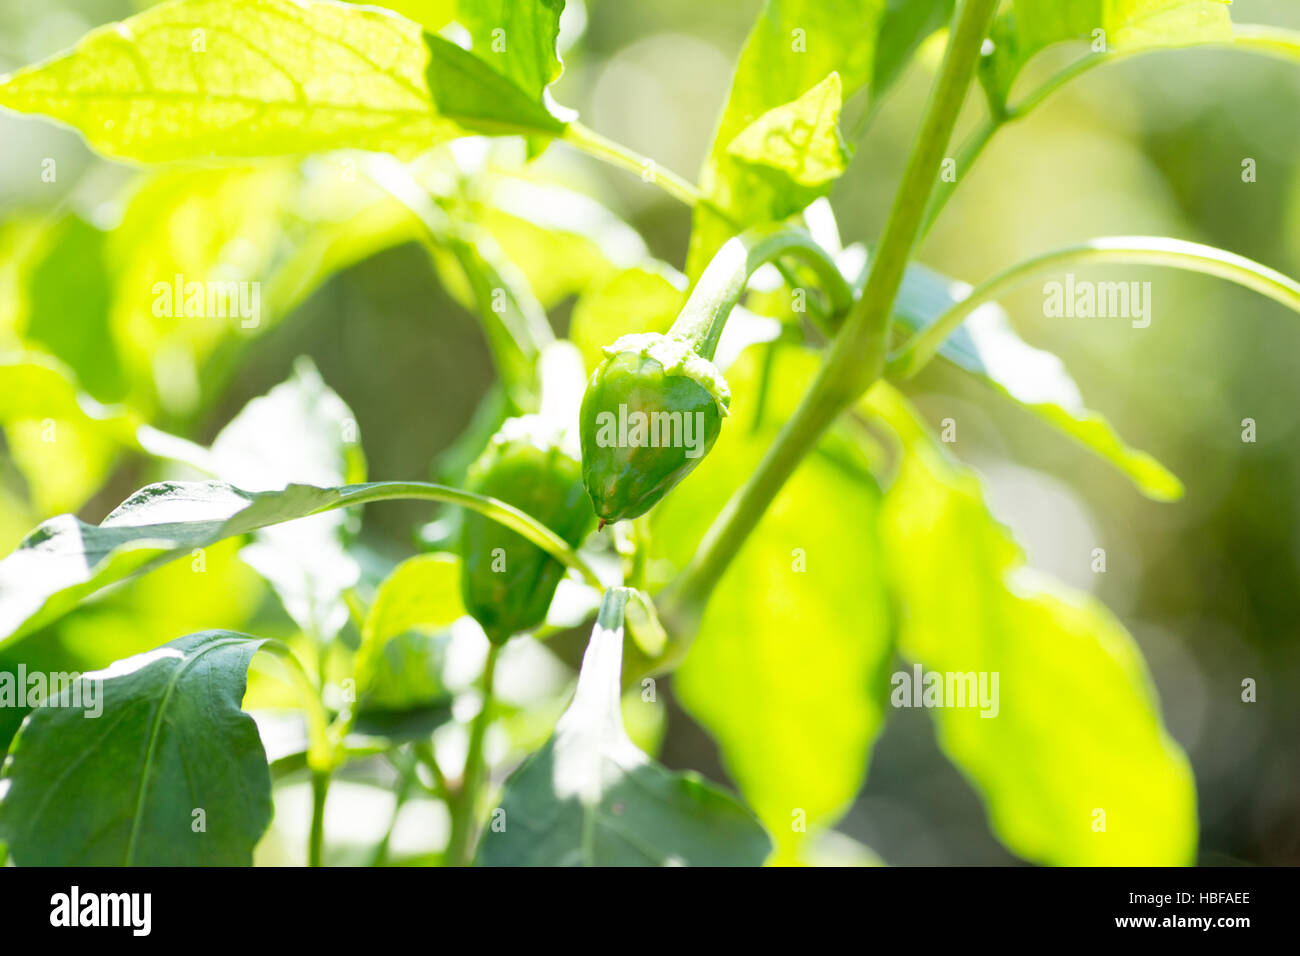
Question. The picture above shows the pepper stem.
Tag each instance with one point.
(702, 319)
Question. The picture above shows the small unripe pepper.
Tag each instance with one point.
(654, 408)
(651, 412)
(508, 582)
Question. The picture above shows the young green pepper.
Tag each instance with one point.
(654, 408)
(508, 582)
(650, 414)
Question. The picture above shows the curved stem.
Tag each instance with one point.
(511, 517)
(616, 154)
(674, 184)
(321, 751)
(460, 845)
(1128, 250)
(1264, 40)
(705, 313)
(856, 357)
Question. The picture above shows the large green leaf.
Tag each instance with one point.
(299, 432)
(1122, 26)
(794, 46)
(589, 797)
(169, 772)
(988, 348)
(791, 652)
(195, 79)
(1072, 760)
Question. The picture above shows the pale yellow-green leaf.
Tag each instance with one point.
(1073, 764)
(210, 78)
(798, 142)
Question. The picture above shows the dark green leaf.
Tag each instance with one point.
(170, 772)
(466, 89)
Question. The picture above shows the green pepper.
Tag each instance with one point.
(651, 412)
(508, 582)
(654, 407)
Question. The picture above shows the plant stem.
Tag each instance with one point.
(1129, 250)
(511, 517)
(616, 154)
(320, 782)
(322, 752)
(1268, 41)
(856, 357)
(460, 845)
(705, 313)
(675, 185)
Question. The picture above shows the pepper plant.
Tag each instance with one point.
(712, 479)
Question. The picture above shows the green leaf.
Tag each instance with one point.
(794, 45)
(399, 663)
(561, 240)
(66, 559)
(467, 90)
(430, 14)
(516, 38)
(797, 146)
(63, 441)
(196, 79)
(207, 78)
(1076, 729)
(988, 348)
(1121, 26)
(589, 797)
(791, 651)
(167, 741)
(300, 432)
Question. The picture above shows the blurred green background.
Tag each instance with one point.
(1151, 146)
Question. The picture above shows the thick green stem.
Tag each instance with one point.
(856, 357)
(320, 782)
(1125, 250)
(464, 818)
(705, 314)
